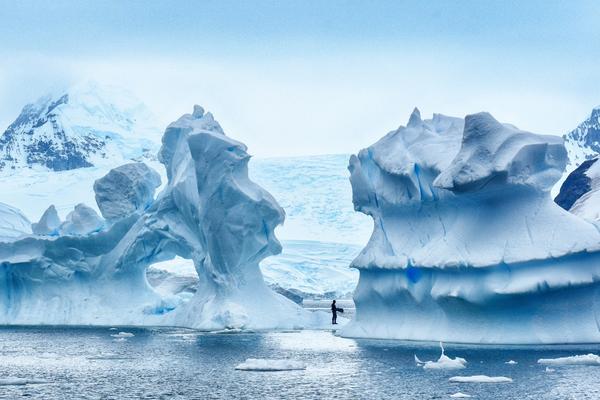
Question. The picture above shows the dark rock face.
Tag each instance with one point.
(20, 144)
(576, 185)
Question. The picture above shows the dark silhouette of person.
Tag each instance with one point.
(334, 311)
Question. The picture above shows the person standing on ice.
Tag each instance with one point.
(334, 311)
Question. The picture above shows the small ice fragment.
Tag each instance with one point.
(586, 359)
(511, 362)
(548, 369)
(112, 329)
(20, 381)
(460, 395)
(444, 362)
(123, 335)
(120, 339)
(259, 364)
(480, 379)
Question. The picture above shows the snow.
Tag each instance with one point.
(444, 362)
(467, 241)
(13, 223)
(85, 125)
(210, 212)
(588, 205)
(586, 359)
(267, 365)
(480, 379)
(316, 197)
(126, 189)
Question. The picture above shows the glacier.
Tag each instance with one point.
(467, 244)
(93, 270)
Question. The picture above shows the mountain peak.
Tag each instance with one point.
(85, 125)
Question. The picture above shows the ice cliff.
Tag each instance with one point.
(89, 270)
(468, 245)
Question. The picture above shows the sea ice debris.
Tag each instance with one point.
(259, 364)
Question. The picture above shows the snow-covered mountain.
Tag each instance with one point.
(583, 142)
(84, 126)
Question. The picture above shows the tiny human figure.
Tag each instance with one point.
(334, 311)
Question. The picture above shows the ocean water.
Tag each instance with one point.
(89, 363)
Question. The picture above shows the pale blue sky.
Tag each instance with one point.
(307, 77)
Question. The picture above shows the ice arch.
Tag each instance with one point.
(209, 212)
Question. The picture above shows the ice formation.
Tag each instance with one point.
(83, 220)
(48, 224)
(126, 189)
(480, 379)
(265, 365)
(467, 244)
(94, 271)
(585, 359)
(444, 362)
(13, 223)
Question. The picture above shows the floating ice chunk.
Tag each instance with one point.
(120, 339)
(123, 335)
(48, 223)
(444, 362)
(20, 381)
(480, 379)
(460, 395)
(125, 190)
(511, 362)
(548, 369)
(81, 221)
(259, 364)
(586, 359)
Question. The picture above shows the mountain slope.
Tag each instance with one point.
(583, 142)
(87, 125)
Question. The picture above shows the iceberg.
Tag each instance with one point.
(13, 223)
(269, 365)
(48, 224)
(585, 359)
(94, 271)
(444, 362)
(467, 244)
(480, 379)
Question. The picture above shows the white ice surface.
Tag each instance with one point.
(585, 359)
(460, 395)
(259, 364)
(480, 379)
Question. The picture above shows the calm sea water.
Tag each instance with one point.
(82, 363)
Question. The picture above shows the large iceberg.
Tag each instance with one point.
(93, 271)
(468, 245)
